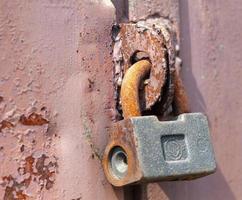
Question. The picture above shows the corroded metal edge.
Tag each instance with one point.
(156, 37)
(121, 136)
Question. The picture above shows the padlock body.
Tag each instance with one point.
(164, 150)
(174, 150)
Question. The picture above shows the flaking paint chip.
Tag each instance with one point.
(33, 119)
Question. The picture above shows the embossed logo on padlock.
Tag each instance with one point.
(174, 147)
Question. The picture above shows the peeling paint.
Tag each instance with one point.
(33, 119)
(5, 124)
(41, 52)
(40, 170)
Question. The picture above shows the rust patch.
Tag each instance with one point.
(38, 170)
(155, 39)
(133, 39)
(5, 124)
(45, 172)
(181, 103)
(13, 192)
(121, 135)
(33, 119)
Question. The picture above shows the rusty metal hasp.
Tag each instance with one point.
(150, 39)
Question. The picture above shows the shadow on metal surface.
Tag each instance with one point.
(197, 102)
(122, 10)
(213, 187)
(204, 188)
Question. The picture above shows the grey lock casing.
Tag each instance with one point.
(173, 150)
(145, 149)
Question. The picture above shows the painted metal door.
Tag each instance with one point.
(56, 88)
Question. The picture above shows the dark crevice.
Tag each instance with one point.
(115, 31)
(122, 10)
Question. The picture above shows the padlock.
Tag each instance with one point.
(143, 149)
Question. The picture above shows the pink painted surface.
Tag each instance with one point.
(212, 67)
(55, 61)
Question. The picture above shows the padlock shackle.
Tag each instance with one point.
(129, 94)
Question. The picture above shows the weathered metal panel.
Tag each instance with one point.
(55, 64)
(56, 98)
(211, 51)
